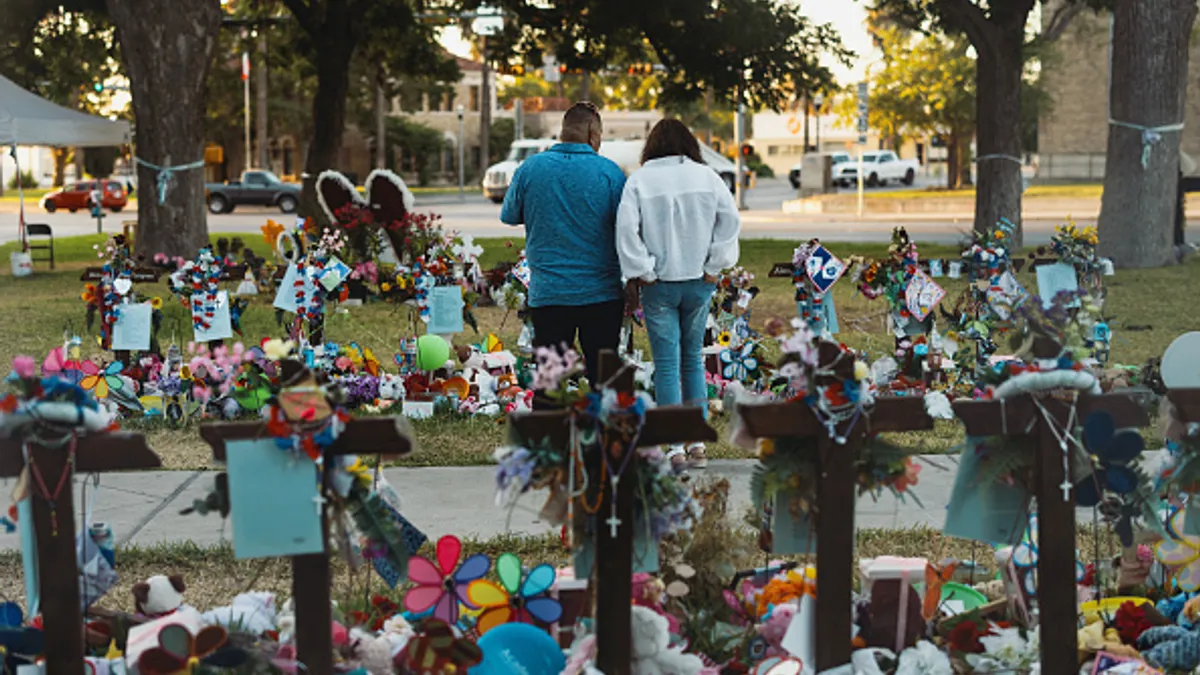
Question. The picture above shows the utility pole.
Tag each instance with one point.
(519, 118)
(818, 101)
(485, 107)
(260, 82)
(806, 146)
(461, 155)
(739, 131)
(249, 155)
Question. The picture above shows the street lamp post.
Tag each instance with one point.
(818, 101)
(461, 176)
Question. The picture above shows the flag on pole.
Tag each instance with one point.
(245, 66)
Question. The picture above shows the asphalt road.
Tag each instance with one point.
(477, 216)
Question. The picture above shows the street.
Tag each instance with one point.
(478, 217)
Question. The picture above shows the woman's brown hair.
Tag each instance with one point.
(669, 138)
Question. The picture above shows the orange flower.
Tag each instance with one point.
(909, 479)
(271, 232)
(89, 294)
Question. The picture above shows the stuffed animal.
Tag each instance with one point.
(651, 653)
(159, 596)
(252, 613)
(775, 627)
(1170, 647)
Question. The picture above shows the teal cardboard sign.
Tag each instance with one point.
(790, 534)
(132, 329)
(995, 513)
(445, 310)
(273, 501)
(645, 549)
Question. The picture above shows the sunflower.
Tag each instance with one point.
(156, 303)
(724, 338)
(385, 287)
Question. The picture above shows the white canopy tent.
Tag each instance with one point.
(28, 119)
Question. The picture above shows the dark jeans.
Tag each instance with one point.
(598, 327)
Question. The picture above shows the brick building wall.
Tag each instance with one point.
(1073, 135)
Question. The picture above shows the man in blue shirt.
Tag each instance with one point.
(567, 198)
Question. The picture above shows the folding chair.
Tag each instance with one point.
(40, 230)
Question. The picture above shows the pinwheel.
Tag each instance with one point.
(1183, 552)
(180, 651)
(514, 599)
(1025, 558)
(1114, 451)
(439, 585)
(101, 381)
(435, 648)
(65, 366)
(738, 364)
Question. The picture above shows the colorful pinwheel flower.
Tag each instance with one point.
(739, 364)
(101, 381)
(441, 587)
(514, 599)
(1183, 552)
(1025, 557)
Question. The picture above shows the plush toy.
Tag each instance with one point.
(775, 627)
(251, 613)
(158, 596)
(1170, 647)
(651, 654)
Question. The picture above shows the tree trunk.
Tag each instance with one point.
(167, 61)
(380, 122)
(60, 166)
(1149, 88)
(334, 49)
(952, 155)
(998, 110)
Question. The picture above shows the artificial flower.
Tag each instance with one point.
(24, 367)
(277, 349)
(156, 303)
(861, 371)
(271, 232)
(724, 338)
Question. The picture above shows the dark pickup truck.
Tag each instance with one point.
(256, 188)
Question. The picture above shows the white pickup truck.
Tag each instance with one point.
(879, 167)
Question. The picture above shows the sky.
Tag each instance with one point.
(846, 16)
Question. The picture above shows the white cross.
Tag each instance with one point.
(613, 523)
(319, 501)
(1066, 488)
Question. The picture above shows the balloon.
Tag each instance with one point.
(513, 648)
(432, 352)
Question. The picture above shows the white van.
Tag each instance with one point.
(499, 175)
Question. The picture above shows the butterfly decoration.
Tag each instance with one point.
(514, 598)
(180, 651)
(101, 381)
(1181, 551)
(439, 585)
(1025, 558)
(436, 649)
(935, 578)
(739, 364)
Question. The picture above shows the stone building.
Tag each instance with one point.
(1073, 134)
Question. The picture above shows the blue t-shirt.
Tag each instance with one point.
(567, 199)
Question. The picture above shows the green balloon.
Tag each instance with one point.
(432, 352)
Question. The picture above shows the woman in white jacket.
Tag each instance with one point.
(677, 228)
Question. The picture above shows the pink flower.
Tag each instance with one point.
(24, 367)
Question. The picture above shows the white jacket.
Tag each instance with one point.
(677, 222)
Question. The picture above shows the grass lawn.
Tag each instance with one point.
(1150, 308)
(1071, 191)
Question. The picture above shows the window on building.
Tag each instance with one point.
(474, 94)
(772, 150)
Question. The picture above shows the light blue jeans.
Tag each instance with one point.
(676, 313)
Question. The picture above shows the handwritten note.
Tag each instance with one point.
(133, 327)
(445, 310)
(1054, 279)
(220, 324)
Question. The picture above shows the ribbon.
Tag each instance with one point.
(165, 174)
(998, 155)
(1150, 135)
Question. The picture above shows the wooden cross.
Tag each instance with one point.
(614, 544)
(835, 494)
(311, 578)
(58, 570)
(1021, 416)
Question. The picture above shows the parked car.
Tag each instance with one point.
(498, 176)
(628, 156)
(838, 158)
(78, 196)
(878, 168)
(256, 188)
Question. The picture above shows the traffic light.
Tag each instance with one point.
(747, 150)
(98, 87)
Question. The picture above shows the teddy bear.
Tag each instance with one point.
(252, 613)
(651, 653)
(159, 596)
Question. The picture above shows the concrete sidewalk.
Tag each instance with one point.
(143, 508)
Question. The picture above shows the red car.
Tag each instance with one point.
(79, 196)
